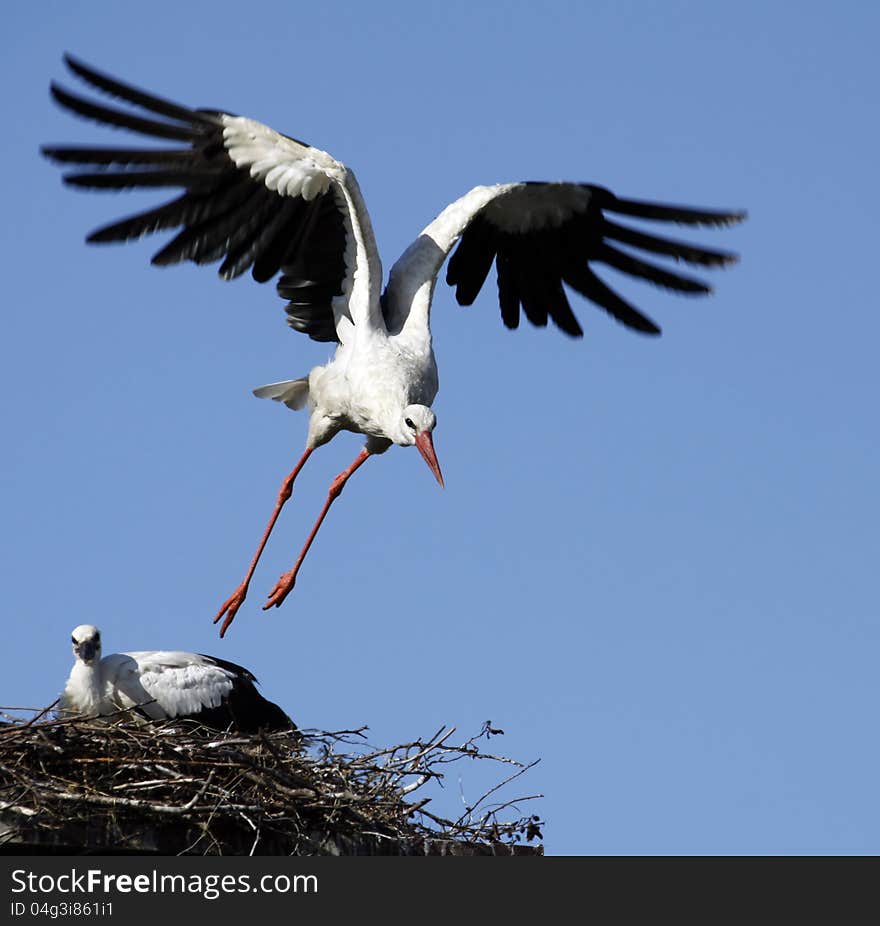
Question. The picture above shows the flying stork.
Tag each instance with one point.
(256, 199)
(165, 684)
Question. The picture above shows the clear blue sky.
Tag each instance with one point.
(655, 562)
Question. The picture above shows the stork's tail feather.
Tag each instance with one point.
(294, 393)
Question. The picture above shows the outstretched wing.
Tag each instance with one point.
(252, 197)
(543, 237)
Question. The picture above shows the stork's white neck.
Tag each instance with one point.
(83, 692)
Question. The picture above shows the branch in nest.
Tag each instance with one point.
(284, 792)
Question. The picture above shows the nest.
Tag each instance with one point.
(74, 786)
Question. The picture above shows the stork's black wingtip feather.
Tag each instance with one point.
(78, 66)
(644, 325)
(733, 218)
(64, 97)
(98, 236)
(726, 219)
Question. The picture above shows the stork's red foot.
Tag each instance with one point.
(230, 607)
(283, 587)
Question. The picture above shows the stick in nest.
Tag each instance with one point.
(280, 793)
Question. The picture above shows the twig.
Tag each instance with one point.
(279, 792)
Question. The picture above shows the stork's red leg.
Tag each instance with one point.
(284, 585)
(236, 599)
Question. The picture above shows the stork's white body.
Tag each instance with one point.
(262, 200)
(162, 685)
(364, 388)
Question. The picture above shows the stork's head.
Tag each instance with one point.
(417, 425)
(86, 641)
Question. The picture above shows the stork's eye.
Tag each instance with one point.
(73, 640)
(409, 423)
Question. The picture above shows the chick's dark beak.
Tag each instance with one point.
(86, 651)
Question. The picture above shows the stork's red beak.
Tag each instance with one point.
(425, 444)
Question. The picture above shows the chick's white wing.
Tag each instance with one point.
(167, 683)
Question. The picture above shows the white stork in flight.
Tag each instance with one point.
(165, 684)
(255, 199)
